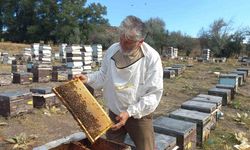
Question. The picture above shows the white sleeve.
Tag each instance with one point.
(97, 78)
(153, 91)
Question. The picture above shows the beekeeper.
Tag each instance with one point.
(131, 76)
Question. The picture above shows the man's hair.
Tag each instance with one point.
(132, 28)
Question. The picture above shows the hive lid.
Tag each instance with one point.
(41, 90)
(13, 95)
(89, 114)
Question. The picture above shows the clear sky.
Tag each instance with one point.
(187, 16)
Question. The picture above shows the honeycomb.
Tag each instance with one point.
(85, 109)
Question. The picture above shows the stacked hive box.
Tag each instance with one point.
(62, 52)
(97, 53)
(42, 69)
(27, 54)
(15, 102)
(41, 72)
(87, 58)
(206, 54)
(35, 51)
(59, 73)
(45, 54)
(74, 61)
(18, 66)
(172, 52)
(43, 97)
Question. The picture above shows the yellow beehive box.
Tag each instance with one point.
(85, 109)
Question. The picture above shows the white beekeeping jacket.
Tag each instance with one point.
(136, 89)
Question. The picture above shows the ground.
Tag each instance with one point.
(44, 125)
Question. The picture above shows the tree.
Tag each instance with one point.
(182, 42)
(68, 27)
(216, 37)
(51, 20)
(19, 15)
(157, 35)
(93, 21)
(221, 40)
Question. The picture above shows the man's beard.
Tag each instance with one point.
(127, 52)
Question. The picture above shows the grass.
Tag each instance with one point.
(5, 68)
(220, 140)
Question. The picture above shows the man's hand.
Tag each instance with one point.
(82, 77)
(122, 118)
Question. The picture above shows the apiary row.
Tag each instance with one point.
(39, 73)
(192, 123)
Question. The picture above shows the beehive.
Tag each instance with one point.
(209, 99)
(168, 73)
(85, 109)
(42, 75)
(243, 69)
(178, 71)
(229, 79)
(212, 99)
(22, 77)
(202, 120)
(43, 97)
(18, 68)
(224, 93)
(184, 131)
(45, 100)
(231, 87)
(202, 107)
(59, 76)
(15, 102)
(242, 73)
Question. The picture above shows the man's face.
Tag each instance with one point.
(129, 45)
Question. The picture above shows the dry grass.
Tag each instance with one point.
(16, 48)
(5, 68)
(12, 48)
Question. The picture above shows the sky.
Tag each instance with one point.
(187, 16)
